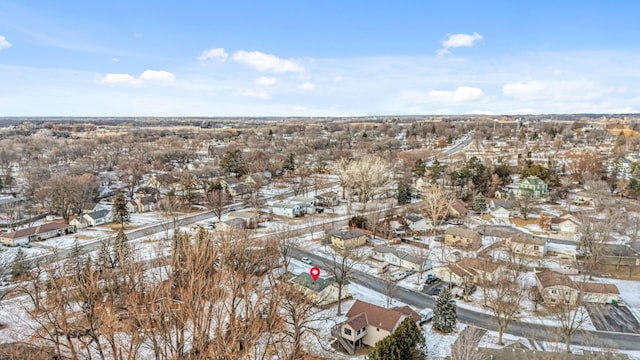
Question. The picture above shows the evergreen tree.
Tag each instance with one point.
(418, 168)
(435, 171)
(20, 265)
(120, 211)
(404, 193)
(290, 163)
(406, 343)
(233, 162)
(479, 203)
(121, 249)
(444, 314)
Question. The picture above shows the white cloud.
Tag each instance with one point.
(459, 40)
(306, 86)
(266, 80)
(572, 90)
(119, 80)
(459, 95)
(157, 75)
(129, 80)
(258, 94)
(266, 62)
(217, 54)
(4, 43)
(115, 60)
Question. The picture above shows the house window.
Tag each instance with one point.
(347, 331)
(377, 329)
(566, 292)
(536, 247)
(553, 291)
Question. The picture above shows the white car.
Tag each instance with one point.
(306, 260)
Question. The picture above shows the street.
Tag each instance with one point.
(533, 332)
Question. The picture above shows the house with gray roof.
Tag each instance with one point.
(322, 291)
(401, 258)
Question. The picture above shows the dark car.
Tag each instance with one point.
(409, 272)
(436, 291)
(449, 285)
(468, 290)
(432, 280)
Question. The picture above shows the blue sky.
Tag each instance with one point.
(317, 58)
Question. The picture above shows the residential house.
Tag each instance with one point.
(307, 205)
(421, 184)
(235, 187)
(348, 239)
(502, 210)
(458, 209)
(527, 245)
(532, 185)
(132, 206)
(584, 198)
(556, 288)
(79, 222)
(99, 217)
(255, 179)
(367, 324)
(250, 218)
(36, 233)
(328, 199)
(564, 228)
(401, 258)
(417, 223)
(146, 203)
(481, 270)
(231, 224)
(322, 291)
(462, 238)
(286, 209)
(601, 293)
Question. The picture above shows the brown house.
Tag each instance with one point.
(462, 238)
(367, 324)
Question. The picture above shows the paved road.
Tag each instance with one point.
(533, 332)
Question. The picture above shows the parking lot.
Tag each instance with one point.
(613, 318)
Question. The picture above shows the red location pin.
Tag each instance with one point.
(315, 273)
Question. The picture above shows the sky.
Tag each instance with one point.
(318, 58)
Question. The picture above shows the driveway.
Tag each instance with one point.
(615, 318)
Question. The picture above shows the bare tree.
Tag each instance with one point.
(390, 289)
(571, 317)
(595, 234)
(466, 345)
(342, 269)
(504, 299)
(436, 202)
(217, 200)
(368, 176)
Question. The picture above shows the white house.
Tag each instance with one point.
(98, 217)
(286, 209)
(401, 258)
(307, 205)
(418, 223)
(250, 218)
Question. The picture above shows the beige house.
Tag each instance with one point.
(462, 238)
(556, 288)
(527, 245)
(348, 239)
(322, 291)
(458, 209)
(367, 324)
(36, 233)
(249, 217)
(600, 293)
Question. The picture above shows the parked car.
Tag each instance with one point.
(409, 272)
(306, 260)
(435, 291)
(26, 245)
(469, 289)
(432, 280)
(426, 315)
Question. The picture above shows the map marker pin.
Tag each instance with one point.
(315, 273)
